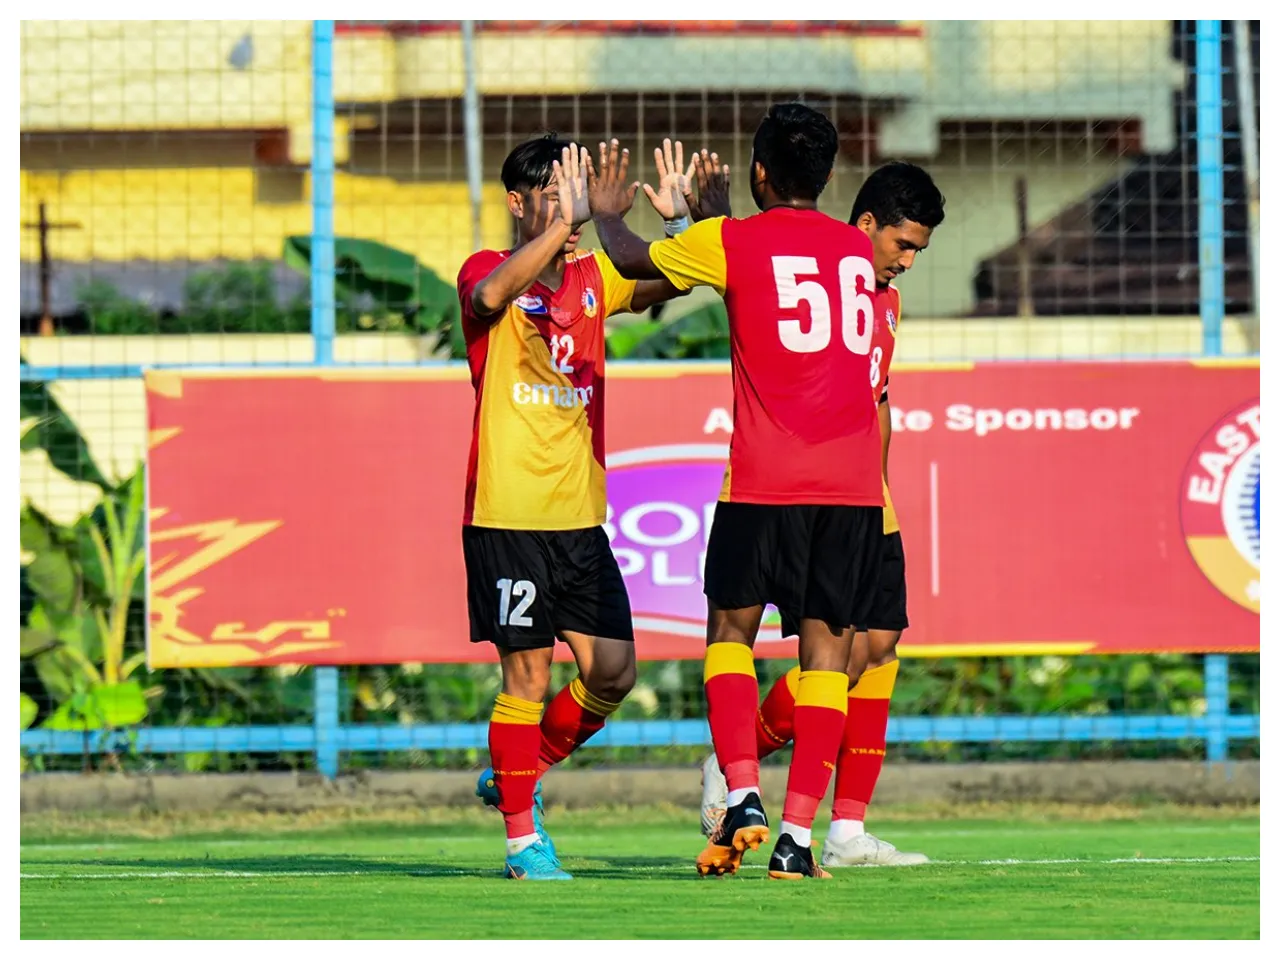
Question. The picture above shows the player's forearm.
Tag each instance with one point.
(518, 272)
(628, 252)
(652, 292)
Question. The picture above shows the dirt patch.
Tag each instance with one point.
(903, 787)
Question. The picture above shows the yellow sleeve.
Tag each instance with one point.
(694, 258)
(617, 291)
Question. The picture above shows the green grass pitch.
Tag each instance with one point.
(999, 873)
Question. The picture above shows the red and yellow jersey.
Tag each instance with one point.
(884, 336)
(798, 286)
(537, 442)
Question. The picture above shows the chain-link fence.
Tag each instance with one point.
(167, 173)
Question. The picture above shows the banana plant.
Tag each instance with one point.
(698, 334)
(83, 580)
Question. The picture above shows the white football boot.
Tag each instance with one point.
(865, 850)
(715, 796)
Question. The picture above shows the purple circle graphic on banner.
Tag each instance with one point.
(662, 501)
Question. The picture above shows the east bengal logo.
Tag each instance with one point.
(1222, 504)
(589, 303)
(891, 320)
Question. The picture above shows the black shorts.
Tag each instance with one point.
(526, 587)
(889, 611)
(815, 562)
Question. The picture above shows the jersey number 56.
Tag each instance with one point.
(856, 308)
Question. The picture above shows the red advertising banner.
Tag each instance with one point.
(1045, 507)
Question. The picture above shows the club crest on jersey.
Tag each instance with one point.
(892, 320)
(589, 303)
(1221, 504)
(530, 303)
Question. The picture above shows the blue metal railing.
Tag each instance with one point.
(327, 737)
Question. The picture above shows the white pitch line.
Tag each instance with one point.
(429, 871)
(222, 874)
(1115, 860)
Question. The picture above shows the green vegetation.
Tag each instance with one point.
(377, 287)
(1163, 873)
(78, 585)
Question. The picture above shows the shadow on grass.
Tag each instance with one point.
(632, 868)
(317, 867)
(311, 866)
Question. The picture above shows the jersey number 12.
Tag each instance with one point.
(856, 308)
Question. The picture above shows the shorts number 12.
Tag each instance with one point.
(522, 590)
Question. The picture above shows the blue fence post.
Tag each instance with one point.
(1209, 173)
(1217, 698)
(1212, 302)
(322, 321)
(326, 720)
(322, 113)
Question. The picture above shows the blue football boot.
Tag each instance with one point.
(487, 791)
(534, 862)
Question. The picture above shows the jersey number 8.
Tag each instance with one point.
(856, 308)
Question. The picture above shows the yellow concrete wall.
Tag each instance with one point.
(1038, 69)
(202, 213)
(163, 74)
(145, 75)
(565, 62)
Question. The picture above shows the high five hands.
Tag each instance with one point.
(570, 176)
(713, 187)
(673, 186)
(610, 194)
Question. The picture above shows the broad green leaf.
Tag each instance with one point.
(122, 704)
(29, 710)
(74, 631)
(115, 705)
(52, 573)
(394, 279)
(76, 713)
(58, 673)
(35, 642)
(622, 341)
(702, 333)
(56, 433)
(1139, 675)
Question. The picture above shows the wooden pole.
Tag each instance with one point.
(1026, 303)
(46, 265)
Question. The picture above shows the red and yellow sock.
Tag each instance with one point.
(862, 750)
(513, 752)
(775, 720)
(733, 693)
(822, 698)
(574, 716)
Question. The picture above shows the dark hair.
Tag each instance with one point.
(528, 166)
(797, 147)
(898, 192)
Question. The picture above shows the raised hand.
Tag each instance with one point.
(673, 185)
(607, 187)
(570, 177)
(713, 188)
